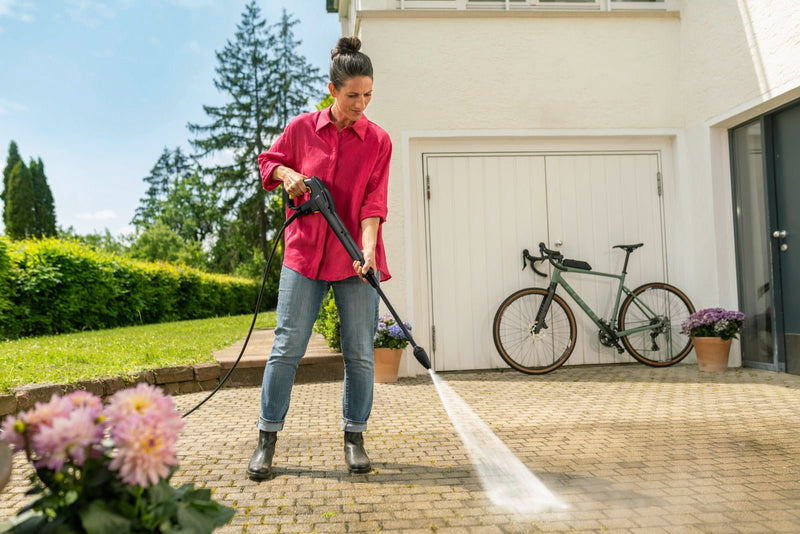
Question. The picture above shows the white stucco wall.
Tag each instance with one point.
(691, 74)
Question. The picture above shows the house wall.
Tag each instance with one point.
(686, 76)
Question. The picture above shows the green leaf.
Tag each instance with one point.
(98, 519)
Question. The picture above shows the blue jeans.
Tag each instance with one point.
(299, 301)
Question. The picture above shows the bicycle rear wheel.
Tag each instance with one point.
(662, 346)
(514, 337)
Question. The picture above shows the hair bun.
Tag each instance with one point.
(346, 45)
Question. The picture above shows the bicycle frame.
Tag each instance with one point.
(609, 328)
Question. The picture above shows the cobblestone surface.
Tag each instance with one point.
(627, 447)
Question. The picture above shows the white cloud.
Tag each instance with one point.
(17, 10)
(192, 4)
(8, 107)
(93, 12)
(101, 215)
(193, 46)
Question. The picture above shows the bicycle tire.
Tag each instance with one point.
(671, 344)
(514, 339)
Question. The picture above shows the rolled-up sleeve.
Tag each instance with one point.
(377, 192)
(278, 154)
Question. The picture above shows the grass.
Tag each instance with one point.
(67, 358)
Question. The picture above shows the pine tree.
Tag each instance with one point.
(13, 158)
(170, 168)
(179, 198)
(19, 204)
(44, 210)
(265, 91)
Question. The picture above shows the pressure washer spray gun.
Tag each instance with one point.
(321, 201)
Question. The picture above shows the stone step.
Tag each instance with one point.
(320, 363)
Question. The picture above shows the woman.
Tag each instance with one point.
(351, 156)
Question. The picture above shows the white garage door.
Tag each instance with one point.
(484, 209)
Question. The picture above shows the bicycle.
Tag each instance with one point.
(534, 329)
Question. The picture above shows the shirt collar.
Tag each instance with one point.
(360, 126)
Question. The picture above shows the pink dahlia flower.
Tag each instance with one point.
(145, 427)
(68, 438)
(146, 448)
(11, 426)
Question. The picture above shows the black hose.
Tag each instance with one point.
(255, 316)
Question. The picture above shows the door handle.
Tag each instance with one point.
(779, 234)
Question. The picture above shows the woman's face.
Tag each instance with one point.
(351, 99)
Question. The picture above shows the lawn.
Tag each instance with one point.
(66, 358)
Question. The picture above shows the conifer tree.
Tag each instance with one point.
(13, 158)
(170, 168)
(19, 203)
(267, 82)
(179, 198)
(44, 211)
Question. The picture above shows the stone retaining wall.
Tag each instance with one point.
(173, 380)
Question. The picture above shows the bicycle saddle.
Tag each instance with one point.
(629, 248)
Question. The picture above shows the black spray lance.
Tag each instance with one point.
(321, 201)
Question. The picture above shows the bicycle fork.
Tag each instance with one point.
(544, 307)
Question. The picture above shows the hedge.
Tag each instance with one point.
(54, 286)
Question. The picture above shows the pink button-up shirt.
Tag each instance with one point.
(354, 164)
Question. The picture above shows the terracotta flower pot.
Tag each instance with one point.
(387, 361)
(712, 353)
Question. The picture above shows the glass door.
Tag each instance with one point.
(753, 251)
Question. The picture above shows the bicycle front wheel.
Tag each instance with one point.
(528, 351)
(662, 346)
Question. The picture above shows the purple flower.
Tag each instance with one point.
(714, 322)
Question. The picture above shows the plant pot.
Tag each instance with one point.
(387, 361)
(712, 353)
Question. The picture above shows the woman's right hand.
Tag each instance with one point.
(292, 180)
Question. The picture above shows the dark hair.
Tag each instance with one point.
(347, 62)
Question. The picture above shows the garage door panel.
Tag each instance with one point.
(476, 236)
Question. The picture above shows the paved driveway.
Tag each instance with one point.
(627, 447)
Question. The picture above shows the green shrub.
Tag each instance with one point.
(5, 281)
(59, 286)
(328, 323)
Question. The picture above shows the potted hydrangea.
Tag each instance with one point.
(389, 344)
(712, 330)
(106, 468)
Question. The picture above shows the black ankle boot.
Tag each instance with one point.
(354, 454)
(260, 467)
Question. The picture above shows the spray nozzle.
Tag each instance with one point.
(422, 357)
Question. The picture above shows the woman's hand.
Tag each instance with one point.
(369, 263)
(292, 180)
(369, 238)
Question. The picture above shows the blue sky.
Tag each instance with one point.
(98, 88)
